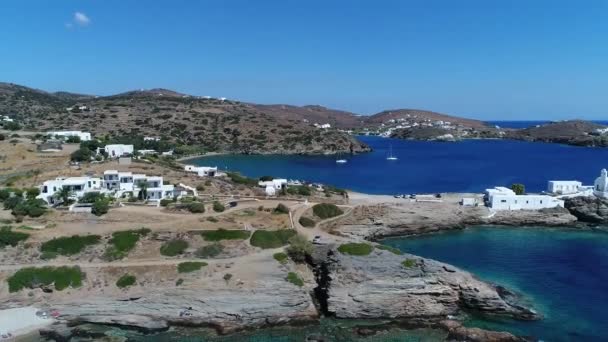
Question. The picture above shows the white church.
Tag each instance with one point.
(600, 187)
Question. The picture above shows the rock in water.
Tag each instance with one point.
(588, 209)
(422, 291)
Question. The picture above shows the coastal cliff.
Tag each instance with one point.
(588, 209)
(408, 288)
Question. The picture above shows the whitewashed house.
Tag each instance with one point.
(117, 150)
(271, 187)
(151, 139)
(122, 183)
(501, 198)
(600, 186)
(84, 136)
(564, 187)
(78, 186)
(7, 119)
(202, 171)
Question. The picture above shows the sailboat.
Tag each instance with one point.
(340, 160)
(390, 154)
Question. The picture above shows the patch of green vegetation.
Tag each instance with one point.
(326, 210)
(271, 239)
(126, 281)
(25, 207)
(196, 207)
(389, 248)
(293, 278)
(33, 277)
(179, 282)
(238, 179)
(209, 251)
(123, 242)
(409, 263)
(11, 238)
(301, 190)
(190, 266)
(100, 206)
(69, 245)
(218, 207)
(173, 247)
(224, 234)
(212, 219)
(48, 255)
(281, 209)
(354, 248)
(280, 257)
(299, 248)
(307, 222)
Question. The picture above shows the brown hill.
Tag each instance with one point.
(416, 115)
(213, 124)
(315, 114)
(573, 132)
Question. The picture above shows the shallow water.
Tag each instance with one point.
(563, 272)
(429, 167)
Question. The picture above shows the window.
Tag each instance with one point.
(541, 201)
(45, 189)
(503, 201)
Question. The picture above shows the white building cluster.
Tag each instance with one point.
(6, 118)
(271, 187)
(501, 198)
(113, 183)
(83, 136)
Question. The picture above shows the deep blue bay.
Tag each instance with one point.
(563, 273)
(429, 167)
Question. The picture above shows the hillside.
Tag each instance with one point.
(316, 114)
(214, 124)
(573, 132)
(421, 116)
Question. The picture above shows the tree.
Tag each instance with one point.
(143, 191)
(81, 155)
(518, 188)
(64, 195)
(101, 206)
(31, 193)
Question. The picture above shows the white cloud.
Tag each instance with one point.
(81, 19)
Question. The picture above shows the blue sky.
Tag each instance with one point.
(506, 59)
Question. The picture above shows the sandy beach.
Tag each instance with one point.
(20, 321)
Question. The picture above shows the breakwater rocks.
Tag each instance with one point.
(407, 288)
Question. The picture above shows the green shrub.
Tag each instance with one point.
(4, 194)
(280, 257)
(200, 187)
(10, 238)
(48, 255)
(409, 263)
(126, 281)
(101, 206)
(33, 277)
(91, 197)
(212, 219)
(30, 207)
(389, 248)
(81, 155)
(69, 245)
(31, 193)
(173, 247)
(165, 202)
(196, 207)
(123, 242)
(227, 277)
(306, 222)
(238, 179)
(179, 282)
(271, 239)
(326, 210)
(218, 207)
(209, 251)
(293, 278)
(301, 190)
(190, 266)
(281, 209)
(299, 248)
(223, 234)
(354, 248)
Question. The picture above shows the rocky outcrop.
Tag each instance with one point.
(423, 291)
(457, 332)
(588, 209)
(545, 217)
(226, 310)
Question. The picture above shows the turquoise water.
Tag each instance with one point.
(563, 272)
(429, 167)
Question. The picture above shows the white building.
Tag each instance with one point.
(600, 186)
(564, 187)
(84, 136)
(202, 171)
(7, 119)
(117, 150)
(501, 198)
(122, 183)
(114, 183)
(277, 184)
(151, 139)
(78, 186)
